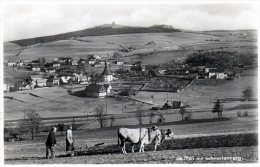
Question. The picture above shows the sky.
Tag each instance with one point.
(26, 20)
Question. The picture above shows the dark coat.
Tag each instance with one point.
(51, 139)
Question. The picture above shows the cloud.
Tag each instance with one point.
(32, 20)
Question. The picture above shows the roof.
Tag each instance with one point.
(216, 70)
(97, 88)
(35, 65)
(64, 58)
(36, 76)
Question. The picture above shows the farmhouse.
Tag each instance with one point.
(41, 82)
(217, 74)
(36, 67)
(52, 80)
(92, 61)
(82, 61)
(106, 74)
(50, 70)
(97, 90)
(56, 64)
(11, 64)
(6, 88)
(65, 60)
(20, 63)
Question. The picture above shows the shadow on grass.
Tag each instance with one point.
(80, 93)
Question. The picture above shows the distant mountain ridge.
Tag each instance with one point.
(105, 29)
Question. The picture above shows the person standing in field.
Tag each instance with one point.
(69, 141)
(51, 142)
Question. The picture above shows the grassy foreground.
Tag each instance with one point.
(209, 149)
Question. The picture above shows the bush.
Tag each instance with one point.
(188, 116)
(161, 118)
(239, 114)
(245, 114)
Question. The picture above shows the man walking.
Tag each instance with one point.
(69, 141)
(51, 142)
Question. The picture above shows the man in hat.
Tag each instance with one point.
(69, 141)
(51, 142)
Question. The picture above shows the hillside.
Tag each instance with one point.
(105, 29)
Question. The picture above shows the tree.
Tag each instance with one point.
(152, 97)
(161, 118)
(100, 112)
(42, 61)
(112, 120)
(182, 112)
(61, 127)
(31, 124)
(248, 92)
(217, 108)
(151, 116)
(139, 115)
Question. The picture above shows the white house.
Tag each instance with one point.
(11, 64)
(36, 67)
(217, 74)
(92, 61)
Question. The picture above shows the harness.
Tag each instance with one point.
(163, 135)
(148, 132)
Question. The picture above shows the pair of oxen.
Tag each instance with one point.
(143, 136)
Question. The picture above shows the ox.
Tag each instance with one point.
(143, 136)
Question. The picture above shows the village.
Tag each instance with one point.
(80, 71)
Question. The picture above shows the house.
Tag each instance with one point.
(97, 90)
(106, 74)
(56, 64)
(41, 82)
(65, 60)
(209, 67)
(38, 80)
(81, 78)
(52, 81)
(83, 61)
(20, 63)
(92, 61)
(6, 88)
(35, 77)
(74, 62)
(36, 67)
(217, 74)
(11, 63)
(119, 62)
(50, 70)
(97, 57)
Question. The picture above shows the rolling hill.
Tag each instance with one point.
(105, 29)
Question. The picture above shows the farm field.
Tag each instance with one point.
(239, 155)
(168, 45)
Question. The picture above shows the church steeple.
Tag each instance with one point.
(106, 71)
